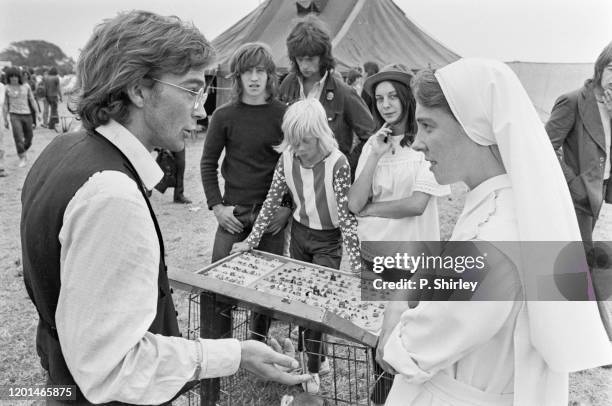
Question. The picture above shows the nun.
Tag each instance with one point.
(477, 125)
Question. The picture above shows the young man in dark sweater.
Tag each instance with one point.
(247, 128)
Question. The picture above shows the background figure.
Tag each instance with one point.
(370, 68)
(2, 127)
(579, 128)
(312, 75)
(19, 98)
(41, 96)
(54, 96)
(29, 79)
(179, 159)
(355, 80)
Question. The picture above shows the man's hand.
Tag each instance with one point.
(279, 221)
(264, 362)
(225, 218)
(287, 349)
(393, 312)
(6, 124)
(240, 247)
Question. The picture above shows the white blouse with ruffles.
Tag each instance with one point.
(399, 173)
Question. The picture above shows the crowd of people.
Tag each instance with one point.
(21, 95)
(319, 165)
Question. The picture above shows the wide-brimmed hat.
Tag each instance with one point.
(396, 71)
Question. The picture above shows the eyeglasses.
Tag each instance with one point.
(200, 96)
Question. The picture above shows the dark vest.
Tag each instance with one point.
(62, 168)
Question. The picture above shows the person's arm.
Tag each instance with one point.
(59, 90)
(209, 164)
(268, 210)
(413, 205)
(32, 101)
(361, 191)
(436, 334)
(348, 223)
(108, 300)
(561, 122)
(5, 109)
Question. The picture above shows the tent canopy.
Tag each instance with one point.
(361, 31)
(379, 31)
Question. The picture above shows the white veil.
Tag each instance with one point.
(490, 103)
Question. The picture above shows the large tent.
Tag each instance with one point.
(361, 31)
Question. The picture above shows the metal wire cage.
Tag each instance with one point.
(353, 379)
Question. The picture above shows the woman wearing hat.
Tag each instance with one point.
(478, 126)
(394, 194)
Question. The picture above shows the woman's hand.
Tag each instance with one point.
(380, 141)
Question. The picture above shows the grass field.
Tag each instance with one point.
(188, 232)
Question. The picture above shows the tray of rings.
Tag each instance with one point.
(297, 286)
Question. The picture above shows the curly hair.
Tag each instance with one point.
(248, 56)
(310, 38)
(13, 71)
(132, 47)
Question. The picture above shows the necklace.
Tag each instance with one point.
(12, 91)
(308, 165)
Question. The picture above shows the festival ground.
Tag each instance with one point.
(188, 233)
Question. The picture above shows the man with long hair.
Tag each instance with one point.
(312, 75)
(53, 94)
(579, 129)
(93, 253)
(247, 128)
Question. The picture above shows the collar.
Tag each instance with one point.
(477, 195)
(146, 167)
(318, 86)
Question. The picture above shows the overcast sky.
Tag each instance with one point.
(526, 30)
